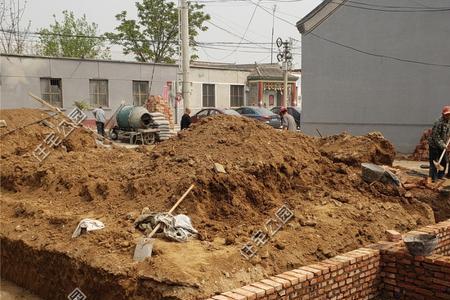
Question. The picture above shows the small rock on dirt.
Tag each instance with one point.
(145, 211)
(308, 222)
(280, 246)
(218, 168)
(230, 241)
(264, 254)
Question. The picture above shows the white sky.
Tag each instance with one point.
(231, 15)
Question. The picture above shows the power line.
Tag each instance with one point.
(380, 55)
(143, 40)
(234, 34)
(245, 33)
(395, 6)
(395, 10)
(271, 13)
(229, 23)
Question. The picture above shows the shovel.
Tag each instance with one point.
(145, 245)
(438, 165)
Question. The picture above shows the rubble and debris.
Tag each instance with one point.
(176, 228)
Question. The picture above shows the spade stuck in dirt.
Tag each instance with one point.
(145, 245)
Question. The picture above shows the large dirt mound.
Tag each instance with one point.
(265, 169)
(354, 150)
(26, 129)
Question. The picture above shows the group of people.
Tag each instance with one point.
(439, 145)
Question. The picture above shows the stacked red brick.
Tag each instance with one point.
(158, 104)
(353, 275)
(421, 151)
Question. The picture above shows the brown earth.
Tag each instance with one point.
(335, 210)
(354, 150)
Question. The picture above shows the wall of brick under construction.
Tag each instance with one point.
(384, 269)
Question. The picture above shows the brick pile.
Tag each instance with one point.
(384, 269)
(158, 104)
(421, 151)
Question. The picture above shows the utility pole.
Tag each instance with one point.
(186, 85)
(273, 26)
(285, 56)
(285, 92)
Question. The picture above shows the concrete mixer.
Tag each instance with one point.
(136, 125)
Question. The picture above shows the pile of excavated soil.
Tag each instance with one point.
(335, 210)
(24, 132)
(354, 150)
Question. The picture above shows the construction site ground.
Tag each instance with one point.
(318, 179)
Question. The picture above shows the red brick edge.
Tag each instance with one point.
(364, 273)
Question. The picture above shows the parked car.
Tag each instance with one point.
(261, 114)
(294, 111)
(207, 112)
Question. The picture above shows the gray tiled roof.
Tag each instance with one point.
(269, 72)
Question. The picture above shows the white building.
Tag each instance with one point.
(62, 81)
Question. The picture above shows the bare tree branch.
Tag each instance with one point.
(13, 37)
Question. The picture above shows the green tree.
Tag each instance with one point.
(72, 38)
(154, 35)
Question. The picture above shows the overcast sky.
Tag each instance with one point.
(231, 15)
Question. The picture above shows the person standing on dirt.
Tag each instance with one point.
(100, 119)
(438, 142)
(287, 121)
(186, 119)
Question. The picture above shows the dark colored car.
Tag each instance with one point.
(261, 114)
(207, 112)
(294, 111)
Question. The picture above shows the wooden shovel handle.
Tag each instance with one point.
(172, 209)
(59, 111)
(443, 152)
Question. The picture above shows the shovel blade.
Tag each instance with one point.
(143, 249)
(438, 166)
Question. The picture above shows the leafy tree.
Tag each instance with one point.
(154, 35)
(73, 38)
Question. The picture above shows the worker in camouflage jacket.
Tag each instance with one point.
(440, 135)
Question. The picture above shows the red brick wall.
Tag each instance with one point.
(353, 275)
(407, 277)
(383, 269)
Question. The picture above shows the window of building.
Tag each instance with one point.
(209, 95)
(140, 92)
(98, 92)
(51, 91)
(236, 95)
